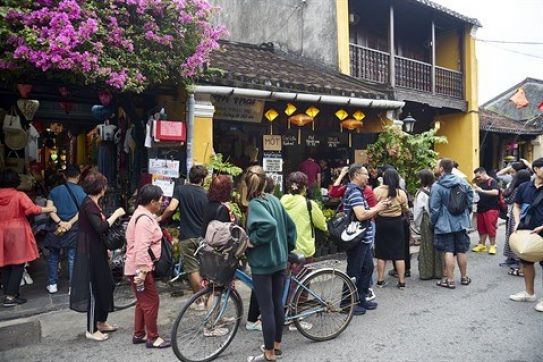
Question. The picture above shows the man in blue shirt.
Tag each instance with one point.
(525, 203)
(359, 257)
(67, 198)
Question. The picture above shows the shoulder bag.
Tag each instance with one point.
(163, 266)
(345, 229)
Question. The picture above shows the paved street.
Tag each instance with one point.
(421, 323)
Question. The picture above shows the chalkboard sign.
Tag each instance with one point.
(333, 142)
(289, 140)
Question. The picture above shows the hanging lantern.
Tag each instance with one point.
(291, 108)
(312, 112)
(271, 114)
(341, 115)
(359, 115)
(300, 120)
(351, 124)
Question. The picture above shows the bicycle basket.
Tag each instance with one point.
(218, 268)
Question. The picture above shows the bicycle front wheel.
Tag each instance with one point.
(206, 324)
(123, 296)
(324, 304)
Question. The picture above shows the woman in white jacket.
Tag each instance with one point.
(430, 263)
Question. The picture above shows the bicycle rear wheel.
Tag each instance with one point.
(123, 296)
(325, 304)
(202, 332)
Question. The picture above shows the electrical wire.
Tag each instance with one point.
(510, 42)
(512, 51)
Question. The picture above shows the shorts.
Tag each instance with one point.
(188, 247)
(456, 243)
(487, 222)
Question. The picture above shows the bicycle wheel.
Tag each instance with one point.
(202, 332)
(324, 304)
(123, 296)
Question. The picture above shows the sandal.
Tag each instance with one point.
(106, 327)
(278, 352)
(157, 343)
(517, 272)
(381, 283)
(445, 283)
(465, 280)
(259, 358)
(401, 285)
(96, 336)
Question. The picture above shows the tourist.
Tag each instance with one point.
(488, 211)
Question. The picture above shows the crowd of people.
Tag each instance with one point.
(441, 212)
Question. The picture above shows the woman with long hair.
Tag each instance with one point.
(17, 241)
(512, 261)
(272, 236)
(389, 228)
(92, 282)
(430, 263)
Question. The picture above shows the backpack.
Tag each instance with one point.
(163, 266)
(222, 236)
(458, 200)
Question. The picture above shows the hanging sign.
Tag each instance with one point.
(333, 142)
(277, 180)
(232, 108)
(311, 141)
(271, 143)
(272, 164)
(167, 168)
(167, 184)
(289, 140)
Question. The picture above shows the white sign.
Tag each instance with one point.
(277, 180)
(167, 184)
(167, 168)
(311, 141)
(231, 108)
(272, 164)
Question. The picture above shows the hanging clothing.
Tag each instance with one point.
(106, 160)
(32, 144)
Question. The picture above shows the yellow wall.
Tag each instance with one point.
(462, 129)
(448, 50)
(342, 13)
(202, 147)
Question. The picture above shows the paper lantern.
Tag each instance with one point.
(351, 124)
(291, 108)
(300, 120)
(271, 114)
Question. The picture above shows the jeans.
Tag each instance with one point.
(146, 312)
(360, 266)
(54, 256)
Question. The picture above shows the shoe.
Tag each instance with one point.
(492, 250)
(52, 288)
(359, 310)
(523, 297)
(96, 336)
(9, 302)
(253, 326)
(278, 352)
(369, 305)
(539, 306)
(401, 286)
(139, 339)
(381, 283)
(305, 325)
(106, 327)
(158, 343)
(215, 332)
(370, 296)
(479, 248)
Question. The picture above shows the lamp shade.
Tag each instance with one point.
(351, 124)
(312, 111)
(271, 114)
(291, 108)
(300, 119)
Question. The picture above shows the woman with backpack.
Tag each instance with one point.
(143, 234)
(218, 196)
(272, 236)
(430, 263)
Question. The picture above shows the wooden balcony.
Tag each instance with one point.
(374, 65)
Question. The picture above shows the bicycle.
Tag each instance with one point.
(123, 296)
(201, 334)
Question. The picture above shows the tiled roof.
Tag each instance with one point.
(263, 67)
(493, 122)
(533, 89)
(448, 11)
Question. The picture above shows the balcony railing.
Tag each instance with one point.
(374, 65)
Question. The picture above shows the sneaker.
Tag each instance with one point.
(370, 296)
(253, 326)
(539, 306)
(492, 250)
(9, 302)
(369, 305)
(359, 310)
(523, 297)
(215, 332)
(479, 248)
(52, 288)
(305, 325)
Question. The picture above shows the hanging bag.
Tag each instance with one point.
(14, 162)
(15, 136)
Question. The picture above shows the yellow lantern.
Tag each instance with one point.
(291, 108)
(341, 115)
(271, 114)
(312, 112)
(359, 115)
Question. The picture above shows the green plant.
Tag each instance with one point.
(408, 153)
(221, 166)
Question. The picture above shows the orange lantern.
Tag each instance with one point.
(300, 120)
(351, 124)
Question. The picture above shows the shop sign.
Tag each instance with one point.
(231, 108)
(333, 142)
(167, 184)
(311, 141)
(272, 164)
(289, 140)
(166, 168)
(271, 143)
(277, 180)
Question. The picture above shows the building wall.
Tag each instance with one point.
(462, 129)
(307, 28)
(448, 50)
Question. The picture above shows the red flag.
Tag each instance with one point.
(519, 99)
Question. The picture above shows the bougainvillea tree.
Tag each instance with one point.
(123, 44)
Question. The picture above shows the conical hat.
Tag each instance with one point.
(28, 107)
(15, 139)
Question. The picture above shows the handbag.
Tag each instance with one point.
(527, 245)
(345, 230)
(15, 136)
(163, 266)
(115, 236)
(14, 162)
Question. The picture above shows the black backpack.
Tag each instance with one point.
(458, 200)
(163, 266)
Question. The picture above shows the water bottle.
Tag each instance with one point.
(139, 287)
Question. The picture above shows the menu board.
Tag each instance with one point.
(167, 168)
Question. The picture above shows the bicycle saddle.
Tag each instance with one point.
(296, 258)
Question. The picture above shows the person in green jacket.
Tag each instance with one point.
(272, 236)
(305, 213)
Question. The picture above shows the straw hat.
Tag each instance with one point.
(28, 107)
(15, 139)
(526, 245)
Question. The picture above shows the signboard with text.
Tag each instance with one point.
(272, 164)
(232, 108)
(271, 143)
(167, 168)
